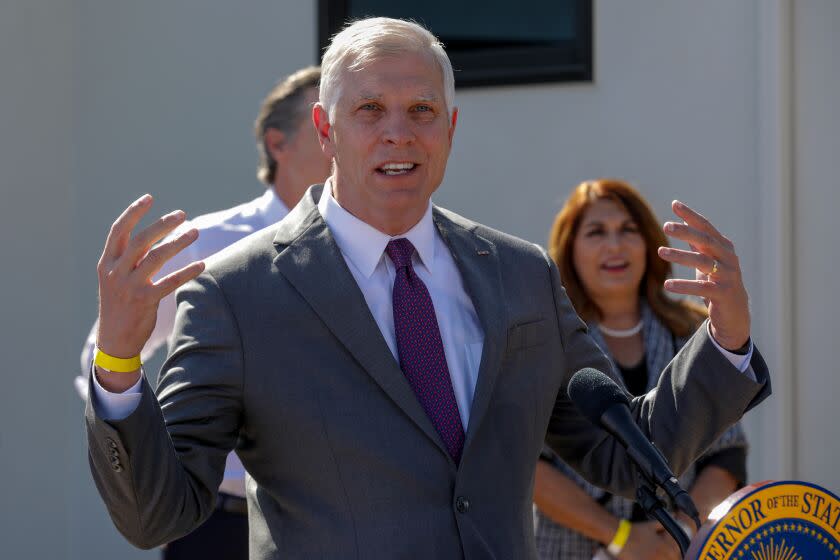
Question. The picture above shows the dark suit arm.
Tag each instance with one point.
(171, 450)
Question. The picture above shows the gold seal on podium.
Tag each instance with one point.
(772, 521)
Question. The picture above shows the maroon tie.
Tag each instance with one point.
(420, 348)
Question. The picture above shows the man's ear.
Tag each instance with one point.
(274, 142)
(323, 127)
(452, 124)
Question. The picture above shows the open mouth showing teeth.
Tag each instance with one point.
(396, 168)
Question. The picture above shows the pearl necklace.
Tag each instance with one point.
(621, 333)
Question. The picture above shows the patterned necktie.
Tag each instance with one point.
(420, 348)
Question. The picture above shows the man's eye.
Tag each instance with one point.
(422, 108)
(369, 107)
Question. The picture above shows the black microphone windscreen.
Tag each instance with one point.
(593, 392)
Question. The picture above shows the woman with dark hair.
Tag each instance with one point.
(605, 241)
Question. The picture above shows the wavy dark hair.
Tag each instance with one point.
(681, 316)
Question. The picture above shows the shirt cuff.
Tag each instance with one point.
(116, 406)
(740, 361)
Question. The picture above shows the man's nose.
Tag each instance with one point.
(398, 130)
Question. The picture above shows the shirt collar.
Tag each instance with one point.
(271, 207)
(363, 244)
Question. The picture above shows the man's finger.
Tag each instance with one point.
(692, 259)
(120, 232)
(701, 288)
(700, 222)
(172, 282)
(694, 218)
(143, 241)
(158, 256)
(700, 240)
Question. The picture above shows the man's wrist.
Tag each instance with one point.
(739, 345)
(117, 341)
(743, 349)
(114, 364)
(116, 382)
(734, 347)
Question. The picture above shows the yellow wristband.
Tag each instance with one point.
(622, 535)
(116, 365)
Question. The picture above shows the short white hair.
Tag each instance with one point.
(366, 40)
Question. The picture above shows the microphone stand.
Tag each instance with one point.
(655, 508)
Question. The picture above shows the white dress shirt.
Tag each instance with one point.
(363, 248)
(217, 230)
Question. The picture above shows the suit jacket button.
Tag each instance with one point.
(111, 443)
(117, 467)
(462, 505)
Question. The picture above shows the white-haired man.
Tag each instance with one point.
(387, 368)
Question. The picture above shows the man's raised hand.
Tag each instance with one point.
(718, 278)
(128, 297)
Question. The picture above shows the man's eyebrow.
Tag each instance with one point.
(368, 96)
(428, 97)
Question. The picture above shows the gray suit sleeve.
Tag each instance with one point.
(699, 395)
(158, 470)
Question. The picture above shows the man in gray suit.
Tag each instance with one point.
(386, 368)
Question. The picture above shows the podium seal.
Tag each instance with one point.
(772, 521)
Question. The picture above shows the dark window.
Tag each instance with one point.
(492, 41)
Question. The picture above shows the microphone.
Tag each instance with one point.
(603, 403)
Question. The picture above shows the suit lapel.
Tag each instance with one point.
(478, 262)
(311, 261)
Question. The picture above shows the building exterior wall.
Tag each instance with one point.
(36, 278)
(101, 102)
(817, 252)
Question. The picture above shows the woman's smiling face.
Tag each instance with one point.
(609, 251)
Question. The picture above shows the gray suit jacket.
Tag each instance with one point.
(276, 353)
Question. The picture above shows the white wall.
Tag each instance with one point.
(100, 102)
(670, 109)
(817, 251)
(36, 278)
